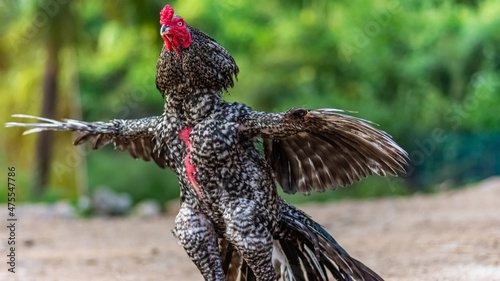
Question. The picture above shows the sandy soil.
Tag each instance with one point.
(449, 236)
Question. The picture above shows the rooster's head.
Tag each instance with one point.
(174, 30)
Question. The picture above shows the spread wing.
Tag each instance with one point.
(136, 136)
(323, 149)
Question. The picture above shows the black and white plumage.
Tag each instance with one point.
(232, 223)
(324, 149)
(302, 249)
(195, 71)
(139, 137)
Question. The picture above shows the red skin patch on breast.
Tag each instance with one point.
(190, 169)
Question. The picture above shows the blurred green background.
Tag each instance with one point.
(427, 71)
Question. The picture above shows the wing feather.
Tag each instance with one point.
(328, 149)
(134, 136)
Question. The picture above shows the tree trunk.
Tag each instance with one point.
(44, 142)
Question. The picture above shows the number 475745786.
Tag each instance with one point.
(11, 191)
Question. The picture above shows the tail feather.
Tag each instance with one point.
(247, 273)
(231, 260)
(289, 262)
(302, 251)
(312, 267)
(320, 247)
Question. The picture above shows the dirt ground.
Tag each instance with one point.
(449, 236)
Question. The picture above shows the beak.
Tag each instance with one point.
(164, 30)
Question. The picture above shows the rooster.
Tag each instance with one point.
(232, 222)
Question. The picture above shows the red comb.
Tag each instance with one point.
(166, 15)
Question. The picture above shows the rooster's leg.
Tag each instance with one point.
(197, 235)
(248, 232)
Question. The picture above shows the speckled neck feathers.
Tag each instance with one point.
(203, 67)
(194, 107)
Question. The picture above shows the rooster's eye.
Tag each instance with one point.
(179, 23)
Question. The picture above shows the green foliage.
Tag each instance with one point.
(375, 187)
(123, 174)
(411, 66)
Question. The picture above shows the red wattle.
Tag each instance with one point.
(167, 43)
